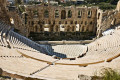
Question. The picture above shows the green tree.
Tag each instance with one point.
(114, 2)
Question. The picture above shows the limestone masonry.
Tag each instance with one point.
(49, 20)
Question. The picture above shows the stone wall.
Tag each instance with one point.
(55, 21)
(58, 18)
(4, 16)
(108, 19)
(19, 23)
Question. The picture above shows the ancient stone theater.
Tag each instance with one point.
(22, 58)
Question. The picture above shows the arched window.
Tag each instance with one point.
(51, 28)
(79, 14)
(71, 22)
(43, 22)
(68, 28)
(79, 27)
(59, 22)
(87, 29)
(26, 18)
(36, 28)
(83, 29)
(81, 22)
(49, 22)
(46, 14)
(56, 28)
(65, 22)
(69, 14)
(73, 28)
(85, 22)
(63, 14)
(56, 13)
(89, 14)
(91, 22)
(53, 22)
(75, 22)
(32, 23)
(98, 15)
(41, 28)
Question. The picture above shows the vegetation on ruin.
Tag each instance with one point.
(63, 36)
(102, 4)
(107, 74)
(110, 74)
(21, 9)
(18, 2)
(113, 2)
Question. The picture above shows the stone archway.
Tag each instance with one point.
(69, 14)
(68, 28)
(63, 14)
(36, 28)
(56, 28)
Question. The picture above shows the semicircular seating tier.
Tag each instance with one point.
(22, 56)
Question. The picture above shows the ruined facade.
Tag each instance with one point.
(45, 20)
(108, 19)
(61, 19)
(57, 19)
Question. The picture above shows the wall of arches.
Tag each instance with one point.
(61, 19)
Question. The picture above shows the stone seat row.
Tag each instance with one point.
(3, 32)
(71, 51)
(9, 37)
(105, 42)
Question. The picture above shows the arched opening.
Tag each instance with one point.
(36, 28)
(62, 28)
(26, 19)
(51, 28)
(56, 13)
(53, 22)
(71, 22)
(79, 14)
(46, 14)
(41, 28)
(56, 29)
(32, 23)
(69, 14)
(87, 29)
(63, 14)
(98, 15)
(65, 22)
(73, 29)
(75, 22)
(91, 23)
(79, 27)
(82, 29)
(43, 22)
(85, 22)
(49, 22)
(59, 22)
(89, 14)
(81, 22)
(68, 29)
